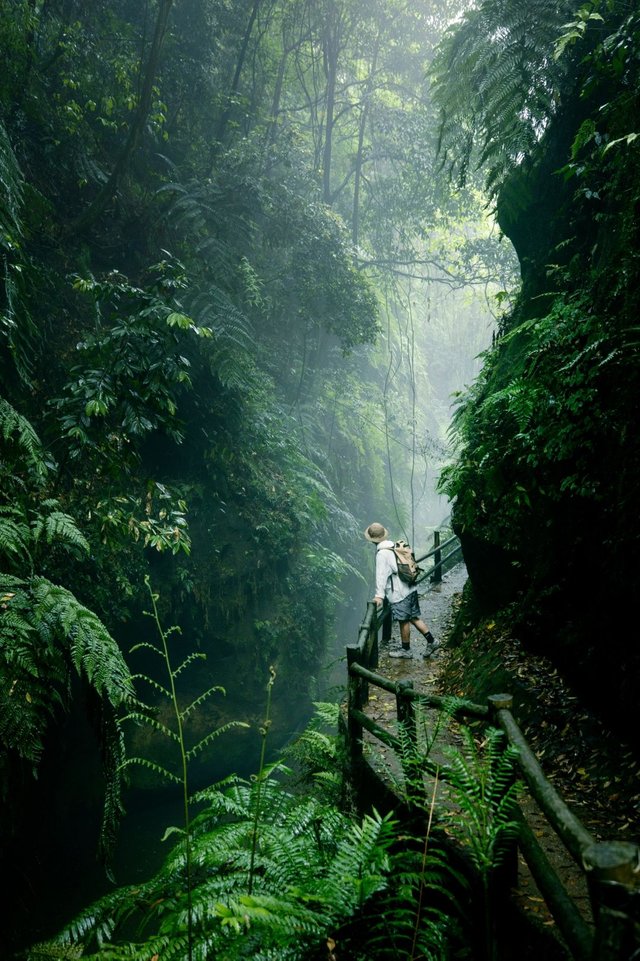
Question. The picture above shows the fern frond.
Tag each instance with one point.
(484, 790)
(194, 656)
(93, 651)
(145, 762)
(16, 429)
(211, 736)
(280, 916)
(15, 537)
(519, 399)
(61, 529)
(140, 718)
(216, 689)
(156, 685)
(37, 619)
(495, 82)
(145, 646)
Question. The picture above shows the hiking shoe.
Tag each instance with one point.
(400, 652)
(432, 645)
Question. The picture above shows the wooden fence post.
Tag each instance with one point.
(436, 575)
(355, 698)
(386, 624)
(613, 876)
(373, 639)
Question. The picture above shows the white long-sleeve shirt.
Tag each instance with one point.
(388, 584)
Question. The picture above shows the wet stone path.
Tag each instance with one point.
(437, 605)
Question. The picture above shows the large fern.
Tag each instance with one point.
(314, 869)
(311, 874)
(495, 80)
(45, 633)
(318, 754)
(17, 432)
(47, 637)
(421, 914)
(483, 787)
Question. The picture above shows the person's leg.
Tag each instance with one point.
(405, 640)
(424, 629)
(432, 644)
(420, 625)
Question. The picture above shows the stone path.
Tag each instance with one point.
(437, 605)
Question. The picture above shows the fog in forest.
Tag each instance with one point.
(242, 295)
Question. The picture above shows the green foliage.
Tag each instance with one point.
(420, 914)
(11, 195)
(318, 754)
(132, 369)
(313, 869)
(45, 633)
(576, 29)
(18, 432)
(47, 637)
(495, 82)
(158, 522)
(202, 349)
(532, 441)
(481, 784)
(263, 871)
(145, 713)
(177, 736)
(17, 331)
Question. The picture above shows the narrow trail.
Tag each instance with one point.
(438, 606)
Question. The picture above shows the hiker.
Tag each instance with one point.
(402, 597)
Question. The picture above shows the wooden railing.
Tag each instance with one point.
(611, 868)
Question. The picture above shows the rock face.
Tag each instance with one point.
(552, 466)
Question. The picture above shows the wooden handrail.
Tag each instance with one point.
(569, 829)
(434, 550)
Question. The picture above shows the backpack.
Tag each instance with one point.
(408, 570)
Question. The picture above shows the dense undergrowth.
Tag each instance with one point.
(546, 479)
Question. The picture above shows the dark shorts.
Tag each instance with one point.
(407, 609)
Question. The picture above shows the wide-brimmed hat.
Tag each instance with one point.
(376, 533)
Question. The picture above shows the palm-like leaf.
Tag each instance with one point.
(495, 81)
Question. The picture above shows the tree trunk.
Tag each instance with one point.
(331, 52)
(235, 83)
(364, 116)
(109, 189)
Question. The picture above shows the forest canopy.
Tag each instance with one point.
(249, 253)
(230, 274)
